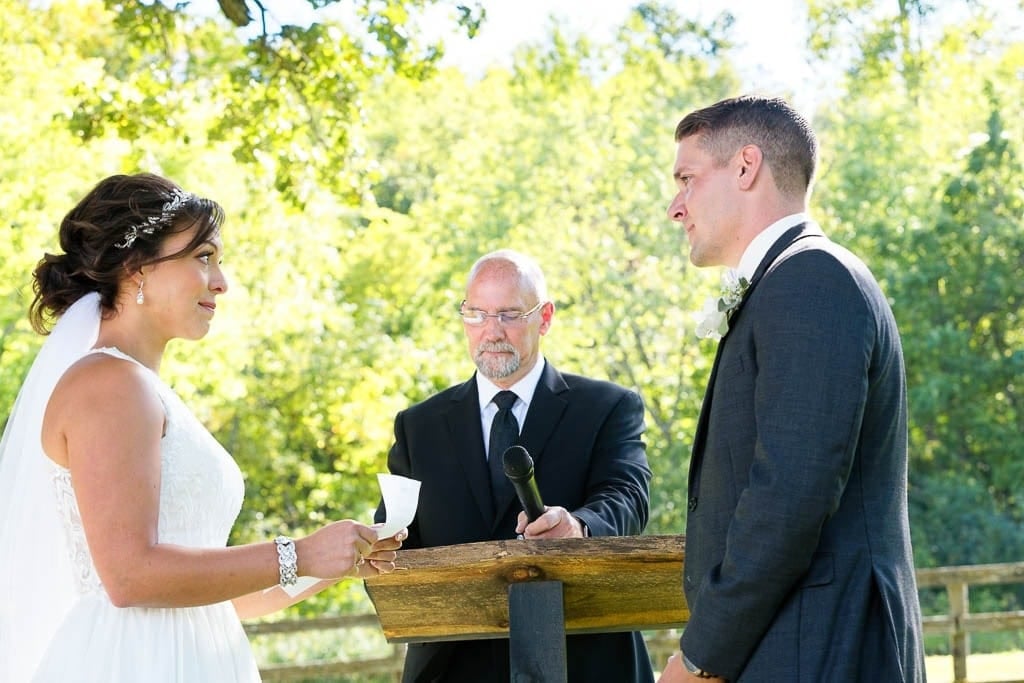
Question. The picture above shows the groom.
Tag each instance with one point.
(798, 557)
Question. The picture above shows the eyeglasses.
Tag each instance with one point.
(476, 317)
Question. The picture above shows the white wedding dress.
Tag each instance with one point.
(201, 492)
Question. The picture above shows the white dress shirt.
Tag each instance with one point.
(759, 246)
(523, 389)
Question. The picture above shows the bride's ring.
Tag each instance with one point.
(359, 559)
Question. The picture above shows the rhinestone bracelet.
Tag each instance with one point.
(287, 560)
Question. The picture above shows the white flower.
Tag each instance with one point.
(713, 319)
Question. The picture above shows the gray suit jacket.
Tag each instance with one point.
(798, 556)
(584, 436)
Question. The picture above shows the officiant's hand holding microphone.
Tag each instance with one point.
(536, 520)
(556, 522)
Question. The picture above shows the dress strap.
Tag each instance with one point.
(162, 390)
(116, 352)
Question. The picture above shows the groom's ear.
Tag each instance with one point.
(750, 160)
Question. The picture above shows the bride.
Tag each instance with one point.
(115, 502)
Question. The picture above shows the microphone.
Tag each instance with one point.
(519, 469)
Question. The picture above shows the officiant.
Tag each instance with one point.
(584, 436)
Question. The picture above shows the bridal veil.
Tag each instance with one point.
(37, 586)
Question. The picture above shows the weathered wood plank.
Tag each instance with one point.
(973, 574)
(256, 628)
(311, 670)
(974, 622)
(620, 583)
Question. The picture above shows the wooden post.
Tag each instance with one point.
(960, 643)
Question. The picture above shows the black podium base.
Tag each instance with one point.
(536, 631)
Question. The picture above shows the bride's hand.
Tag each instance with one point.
(336, 550)
(381, 558)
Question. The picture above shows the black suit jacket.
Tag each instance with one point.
(798, 556)
(584, 436)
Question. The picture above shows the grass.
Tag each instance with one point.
(1004, 666)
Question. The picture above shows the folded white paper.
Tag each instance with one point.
(401, 495)
(301, 584)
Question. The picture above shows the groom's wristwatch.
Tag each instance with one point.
(694, 669)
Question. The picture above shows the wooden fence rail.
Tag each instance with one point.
(337, 669)
(959, 623)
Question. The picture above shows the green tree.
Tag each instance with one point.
(965, 336)
(567, 157)
(921, 175)
(285, 96)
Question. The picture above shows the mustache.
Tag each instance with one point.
(495, 347)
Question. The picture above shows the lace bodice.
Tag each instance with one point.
(201, 488)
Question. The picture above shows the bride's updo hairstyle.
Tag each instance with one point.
(116, 229)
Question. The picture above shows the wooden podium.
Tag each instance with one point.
(533, 593)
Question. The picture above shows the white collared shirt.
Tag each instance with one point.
(523, 389)
(759, 246)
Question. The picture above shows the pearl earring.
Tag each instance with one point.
(139, 298)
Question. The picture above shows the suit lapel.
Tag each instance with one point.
(797, 232)
(789, 237)
(466, 433)
(545, 412)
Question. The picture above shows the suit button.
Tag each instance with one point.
(692, 504)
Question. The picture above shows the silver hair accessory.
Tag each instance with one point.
(149, 226)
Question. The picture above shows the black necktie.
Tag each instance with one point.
(504, 433)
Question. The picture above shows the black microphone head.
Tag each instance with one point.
(517, 463)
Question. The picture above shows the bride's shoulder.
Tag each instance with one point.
(101, 397)
(102, 379)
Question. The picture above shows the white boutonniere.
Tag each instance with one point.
(713, 319)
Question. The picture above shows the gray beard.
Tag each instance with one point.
(497, 368)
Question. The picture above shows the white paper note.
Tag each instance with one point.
(301, 584)
(401, 495)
